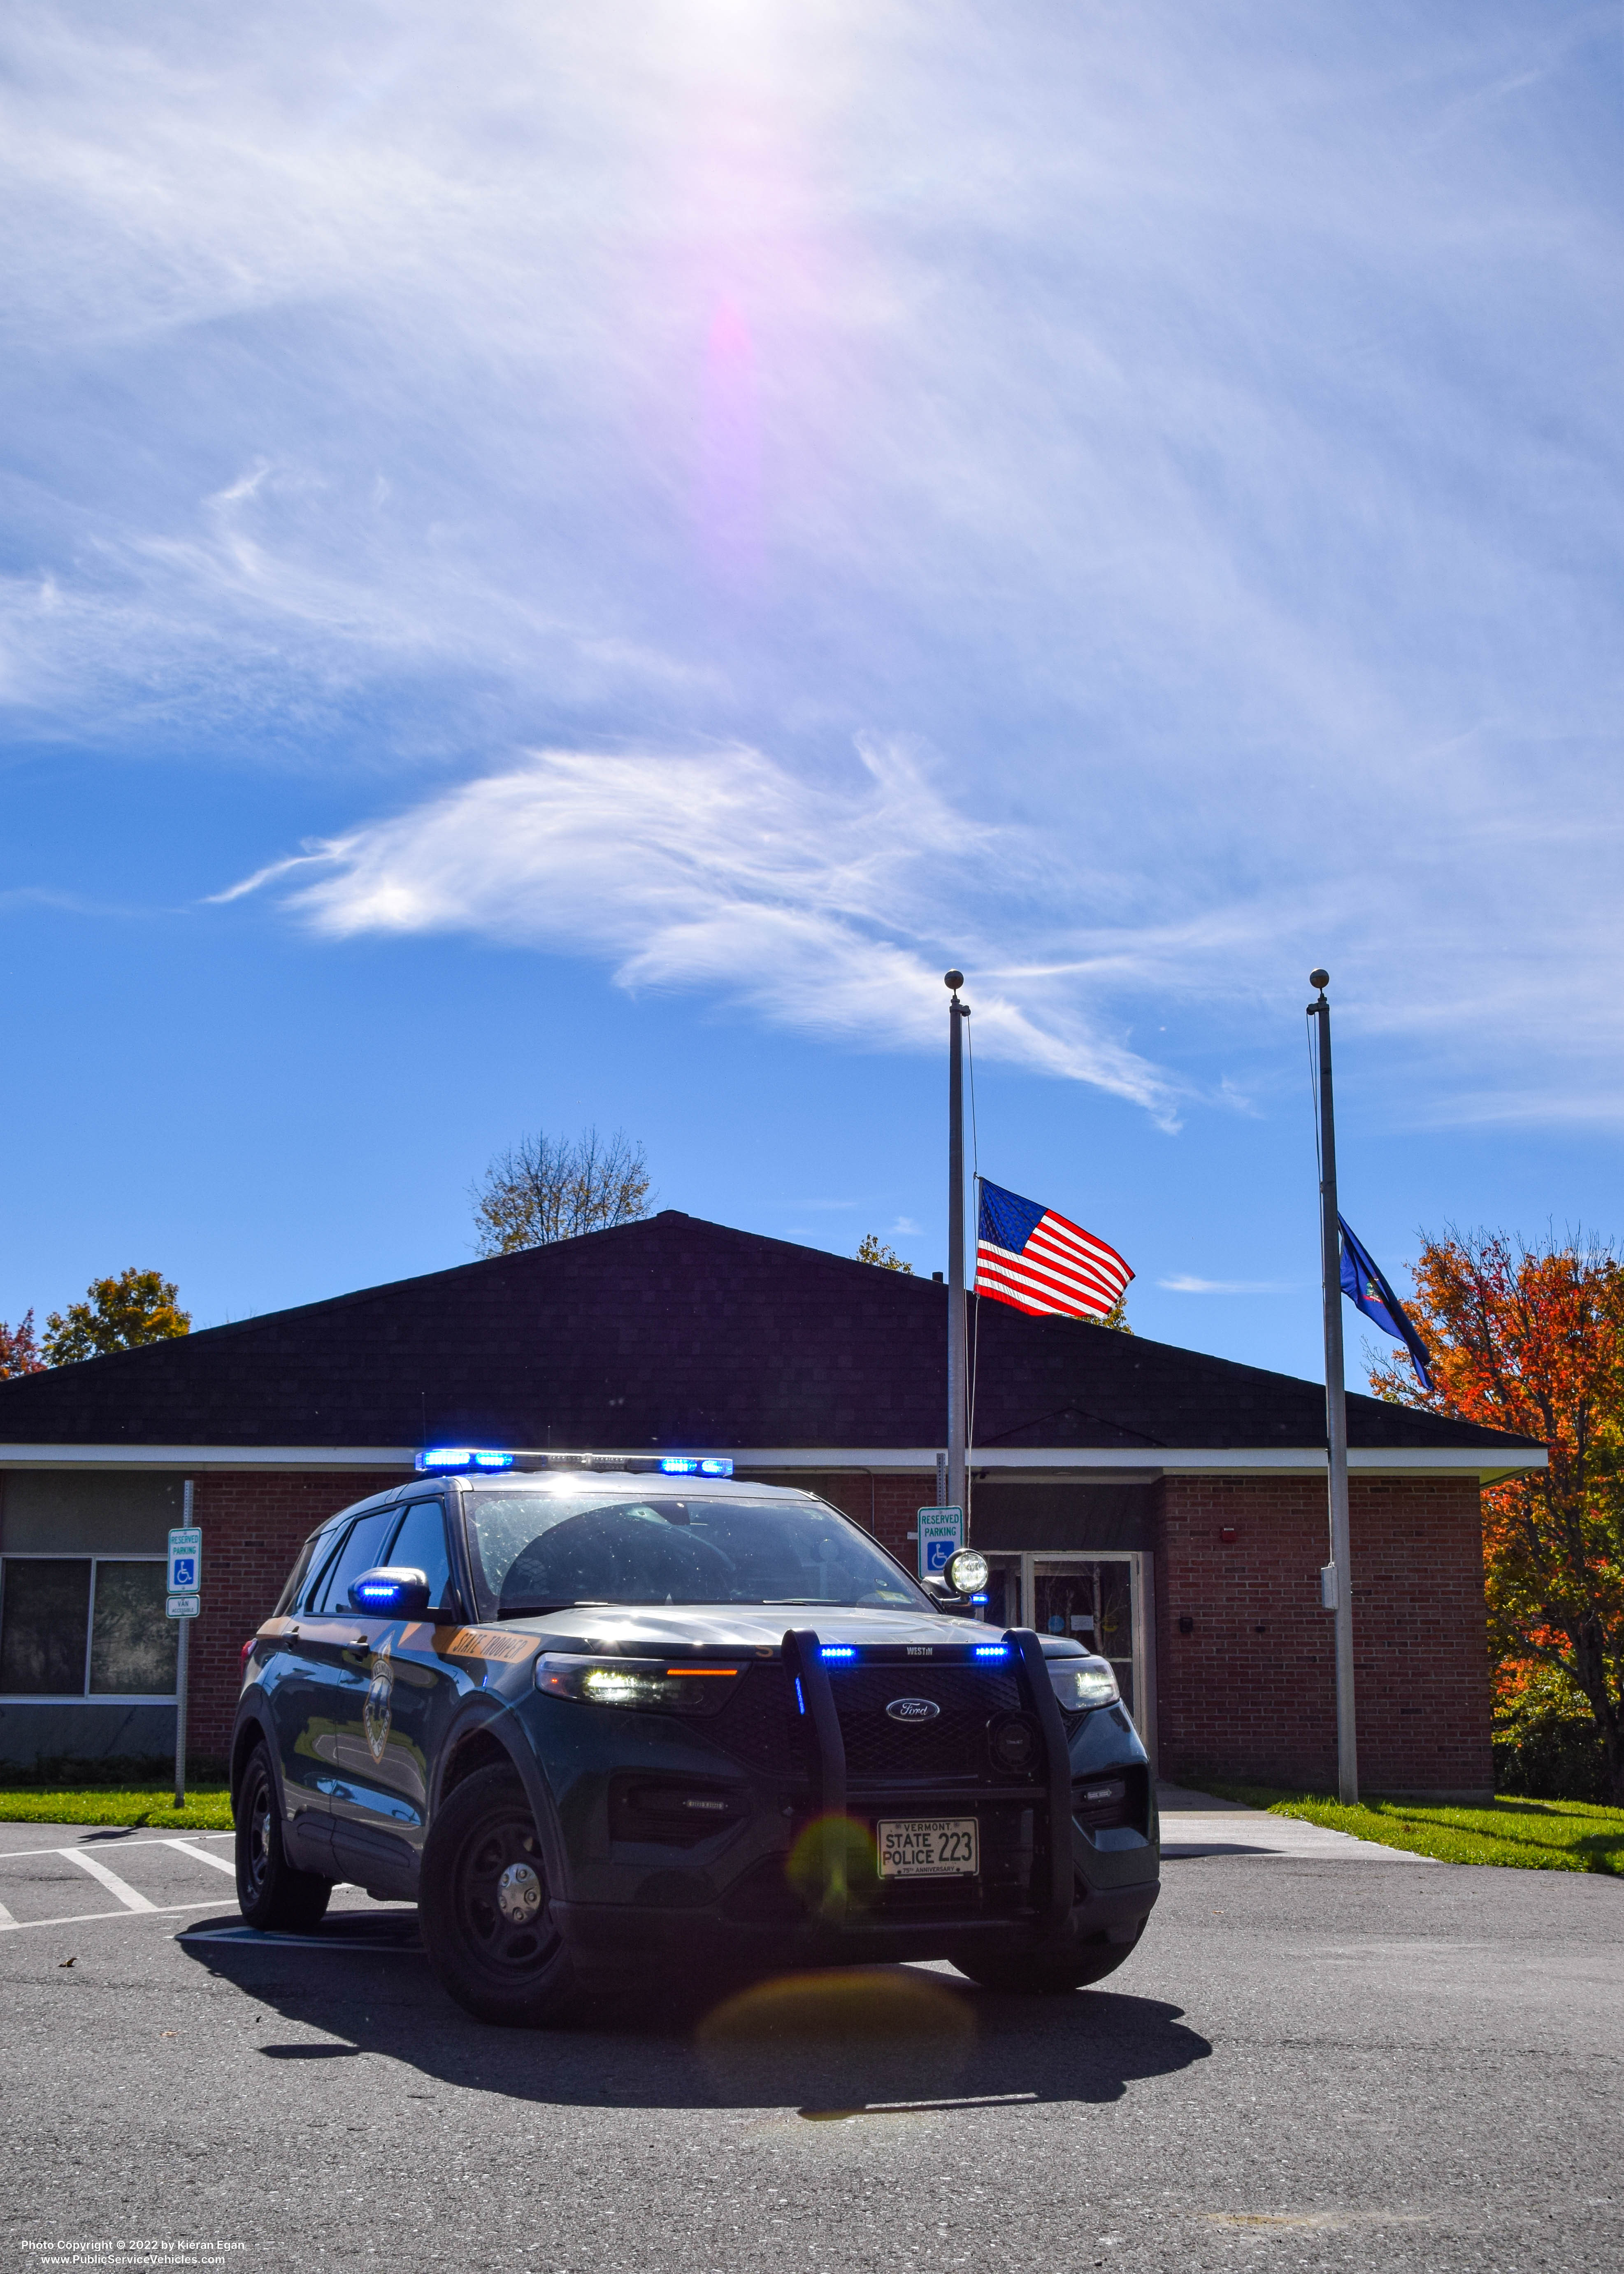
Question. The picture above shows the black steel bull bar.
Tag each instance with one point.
(803, 1662)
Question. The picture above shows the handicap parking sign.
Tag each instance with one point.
(185, 1560)
(940, 1536)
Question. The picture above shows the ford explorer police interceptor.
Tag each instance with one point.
(586, 1710)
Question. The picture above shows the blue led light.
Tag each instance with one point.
(837, 1650)
(978, 1599)
(992, 1650)
(688, 1465)
(801, 1703)
(381, 1591)
(716, 1468)
(463, 1456)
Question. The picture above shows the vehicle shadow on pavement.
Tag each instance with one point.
(867, 2041)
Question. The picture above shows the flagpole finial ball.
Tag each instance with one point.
(1318, 978)
(952, 979)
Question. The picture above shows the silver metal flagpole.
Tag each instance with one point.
(958, 1362)
(1338, 1580)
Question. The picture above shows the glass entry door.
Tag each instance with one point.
(1102, 1601)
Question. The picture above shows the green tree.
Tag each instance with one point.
(546, 1188)
(872, 1249)
(1117, 1316)
(121, 1313)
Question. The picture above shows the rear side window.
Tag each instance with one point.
(420, 1546)
(362, 1548)
(295, 1577)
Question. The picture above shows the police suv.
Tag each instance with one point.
(588, 1710)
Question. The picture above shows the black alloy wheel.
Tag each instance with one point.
(270, 1893)
(484, 1907)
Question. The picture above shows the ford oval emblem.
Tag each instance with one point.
(913, 1709)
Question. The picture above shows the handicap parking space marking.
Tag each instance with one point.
(130, 1897)
(388, 1934)
(85, 1859)
(91, 1918)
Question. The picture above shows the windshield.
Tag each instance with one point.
(538, 1551)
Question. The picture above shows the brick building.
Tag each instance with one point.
(1168, 1506)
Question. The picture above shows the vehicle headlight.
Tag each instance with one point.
(1079, 1682)
(647, 1685)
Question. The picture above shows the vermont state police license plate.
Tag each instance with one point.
(927, 1847)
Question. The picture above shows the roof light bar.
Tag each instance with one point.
(443, 1459)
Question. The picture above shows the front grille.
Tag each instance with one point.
(757, 1725)
(950, 1750)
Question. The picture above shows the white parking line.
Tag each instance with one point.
(88, 1918)
(226, 1864)
(6, 1916)
(11, 1855)
(110, 1880)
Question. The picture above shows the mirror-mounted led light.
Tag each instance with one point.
(690, 1464)
(967, 1569)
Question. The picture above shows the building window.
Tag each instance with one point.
(84, 1626)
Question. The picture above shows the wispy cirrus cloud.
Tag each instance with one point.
(817, 906)
(1193, 425)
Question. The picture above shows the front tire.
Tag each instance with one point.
(1044, 1973)
(270, 1893)
(483, 1906)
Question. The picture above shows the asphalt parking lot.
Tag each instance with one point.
(1310, 2062)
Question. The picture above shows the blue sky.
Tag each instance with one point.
(559, 565)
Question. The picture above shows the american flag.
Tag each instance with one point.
(1028, 1256)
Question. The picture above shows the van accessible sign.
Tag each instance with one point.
(941, 1535)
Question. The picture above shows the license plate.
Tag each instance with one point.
(928, 1848)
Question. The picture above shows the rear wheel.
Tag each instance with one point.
(270, 1893)
(484, 1907)
(1042, 1973)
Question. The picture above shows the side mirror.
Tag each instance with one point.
(391, 1592)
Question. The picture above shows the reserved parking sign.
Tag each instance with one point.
(941, 1535)
(185, 1560)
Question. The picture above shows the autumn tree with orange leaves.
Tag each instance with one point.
(1532, 1340)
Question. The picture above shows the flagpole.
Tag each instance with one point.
(957, 1367)
(1335, 1409)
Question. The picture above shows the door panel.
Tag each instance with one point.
(307, 1694)
(399, 1696)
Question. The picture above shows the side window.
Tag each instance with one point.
(420, 1544)
(361, 1550)
(295, 1577)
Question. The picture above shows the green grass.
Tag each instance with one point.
(1536, 1835)
(208, 1807)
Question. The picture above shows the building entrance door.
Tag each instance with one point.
(1102, 1601)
